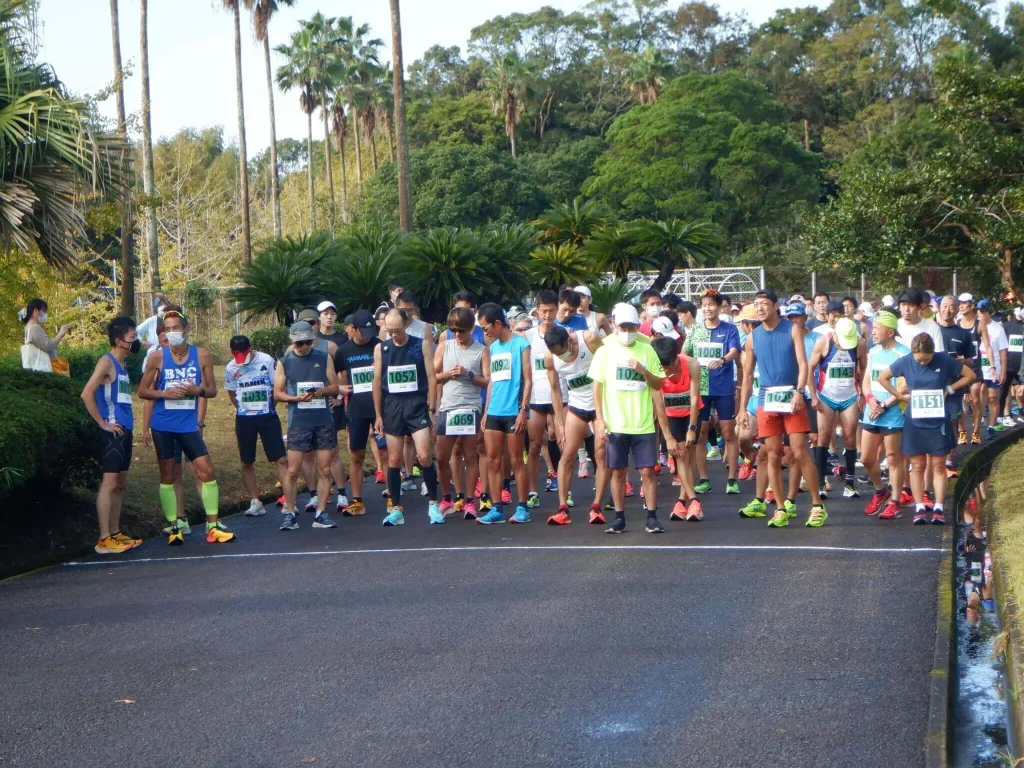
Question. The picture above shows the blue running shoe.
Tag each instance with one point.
(551, 484)
(494, 517)
(323, 521)
(434, 513)
(522, 515)
(395, 517)
(289, 522)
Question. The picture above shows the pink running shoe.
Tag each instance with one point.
(446, 507)
(469, 511)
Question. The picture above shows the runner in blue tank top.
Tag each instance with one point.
(776, 347)
(108, 398)
(176, 377)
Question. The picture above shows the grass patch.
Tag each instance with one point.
(1006, 530)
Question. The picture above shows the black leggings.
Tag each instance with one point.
(1004, 389)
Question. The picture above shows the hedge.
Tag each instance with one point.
(82, 362)
(48, 441)
(272, 341)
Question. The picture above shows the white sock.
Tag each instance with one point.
(581, 454)
(920, 507)
(938, 507)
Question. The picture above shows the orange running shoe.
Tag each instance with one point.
(678, 511)
(280, 502)
(378, 477)
(928, 500)
(746, 471)
(877, 500)
(219, 534)
(951, 473)
(769, 496)
(596, 516)
(561, 517)
(694, 512)
(891, 511)
(906, 498)
(506, 496)
(961, 438)
(975, 439)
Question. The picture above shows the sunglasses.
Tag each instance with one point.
(459, 330)
(303, 343)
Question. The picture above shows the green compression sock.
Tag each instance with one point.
(169, 503)
(211, 498)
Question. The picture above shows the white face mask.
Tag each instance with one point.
(565, 356)
(43, 317)
(175, 338)
(627, 337)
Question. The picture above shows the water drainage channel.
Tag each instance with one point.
(980, 719)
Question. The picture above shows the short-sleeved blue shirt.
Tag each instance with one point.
(942, 371)
(574, 323)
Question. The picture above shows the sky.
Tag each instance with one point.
(191, 52)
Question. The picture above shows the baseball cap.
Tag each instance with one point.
(348, 320)
(912, 296)
(326, 305)
(793, 309)
(985, 305)
(663, 326)
(301, 331)
(846, 333)
(965, 297)
(835, 305)
(748, 313)
(888, 300)
(309, 315)
(767, 293)
(240, 348)
(583, 290)
(866, 308)
(363, 320)
(797, 297)
(625, 314)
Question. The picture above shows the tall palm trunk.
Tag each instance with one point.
(344, 175)
(390, 133)
(243, 158)
(398, 75)
(148, 184)
(127, 220)
(309, 167)
(355, 135)
(330, 170)
(373, 151)
(275, 182)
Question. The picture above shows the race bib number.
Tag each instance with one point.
(310, 386)
(677, 400)
(402, 379)
(988, 373)
(187, 403)
(1016, 343)
(629, 380)
(362, 380)
(779, 399)
(928, 404)
(501, 367)
(840, 373)
(460, 423)
(706, 351)
(124, 390)
(254, 400)
(580, 382)
(538, 365)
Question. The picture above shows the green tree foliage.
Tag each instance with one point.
(285, 275)
(553, 265)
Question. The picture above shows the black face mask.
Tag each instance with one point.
(134, 346)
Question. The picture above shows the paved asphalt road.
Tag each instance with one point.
(722, 643)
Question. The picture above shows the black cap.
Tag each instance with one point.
(835, 305)
(240, 343)
(362, 320)
(767, 293)
(911, 295)
(348, 319)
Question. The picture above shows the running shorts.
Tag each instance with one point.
(770, 424)
(268, 429)
(359, 433)
(505, 424)
(117, 452)
(167, 445)
(441, 423)
(935, 441)
(306, 439)
(723, 405)
(405, 415)
(643, 449)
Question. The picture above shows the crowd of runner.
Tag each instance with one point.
(458, 420)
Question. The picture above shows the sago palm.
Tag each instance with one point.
(442, 262)
(285, 275)
(610, 248)
(554, 265)
(674, 244)
(565, 223)
(507, 249)
(604, 296)
(358, 277)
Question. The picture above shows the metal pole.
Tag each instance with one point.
(862, 291)
(814, 283)
(910, 280)
(762, 278)
(955, 291)
(686, 275)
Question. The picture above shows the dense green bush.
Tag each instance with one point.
(48, 441)
(273, 341)
(82, 362)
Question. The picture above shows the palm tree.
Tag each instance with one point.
(646, 75)
(672, 244)
(298, 72)
(359, 57)
(606, 295)
(127, 220)
(402, 136)
(385, 107)
(148, 182)
(554, 265)
(339, 124)
(243, 160)
(263, 11)
(564, 223)
(508, 248)
(367, 261)
(442, 262)
(50, 157)
(508, 81)
(285, 275)
(610, 249)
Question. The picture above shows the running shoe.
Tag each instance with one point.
(479, 489)
(629, 489)
(108, 545)
(290, 522)
(311, 505)
(694, 511)
(434, 513)
(219, 534)
(584, 470)
(714, 453)
(618, 526)
(423, 489)
(754, 509)
(824, 491)
(654, 525)
(746, 470)
(416, 471)
(906, 498)
(255, 509)
(447, 507)
(921, 516)
(818, 516)
(833, 458)
(928, 501)
(521, 515)
(975, 439)
(596, 516)
(878, 500)
(951, 474)
(561, 517)
(802, 488)
(938, 518)
(769, 496)
(704, 486)
(657, 469)
(672, 464)
(779, 520)
(961, 438)
(280, 501)
(323, 521)
(839, 472)
(532, 500)
(675, 481)
(342, 498)
(642, 492)
(999, 427)
(176, 537)
(891, 511)
(731, 486)
(127, 539)
(409, 484)
(663, 458)
(484, 504)
(826, 483)
(355, 509)
(506, 496)
(678, 511)
(494, 516)
(849, 492)
(469, 511)
(378, 477)
(1007, 421)
(864, 479)
(569, 500)
(395, 517)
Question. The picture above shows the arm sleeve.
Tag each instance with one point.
(38, 338)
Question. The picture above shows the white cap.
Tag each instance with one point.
(1018, 312)
(797, 297)
(866, 308)
(582, 289)
(625, 313)
(965, 297)
(888, 301)
(326, 305)
(663, 326)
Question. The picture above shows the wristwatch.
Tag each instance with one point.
(693, 428)
(201, 424)
(202, 391)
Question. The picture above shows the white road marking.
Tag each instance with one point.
(537, 548)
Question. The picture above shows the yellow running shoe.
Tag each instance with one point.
(779, 520)
(127, 539)
(818, 516)
(111, 546)
(354, 509)
(177, 536)
(219, 534)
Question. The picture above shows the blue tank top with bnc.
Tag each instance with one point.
(178, 416)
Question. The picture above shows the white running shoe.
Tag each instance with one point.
(311, 505)
(255, 509)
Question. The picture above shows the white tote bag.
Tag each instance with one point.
(33, 358)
